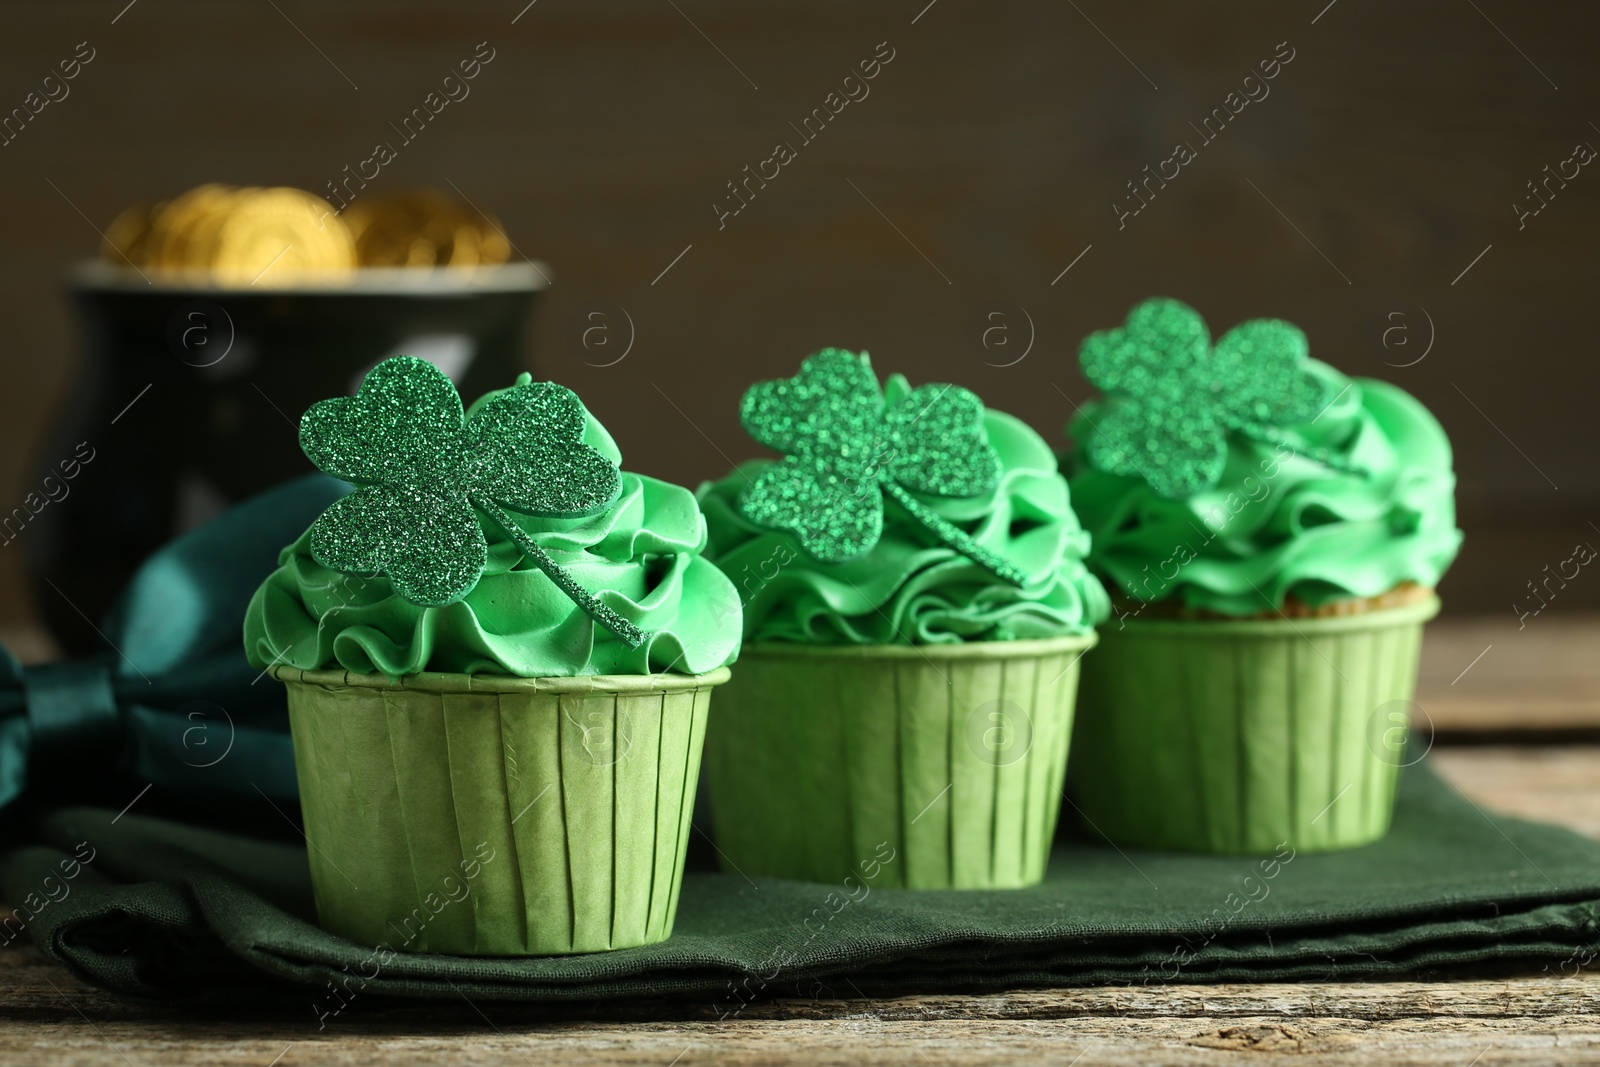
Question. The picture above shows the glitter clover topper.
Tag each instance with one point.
(423, 473)
(845, 449)
(1173, 396)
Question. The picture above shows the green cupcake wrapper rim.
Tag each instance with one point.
(440, 682)
(953, 650)
(494, 816)
(1419, 611)
(1238, 736)
(928, 767)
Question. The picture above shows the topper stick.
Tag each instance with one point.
(626, 631)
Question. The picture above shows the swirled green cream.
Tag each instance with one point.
(641, 557)
(1278, 523)
(910, 588)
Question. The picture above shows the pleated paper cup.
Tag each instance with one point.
(492, 816)
(1239, 736)
(948, 759)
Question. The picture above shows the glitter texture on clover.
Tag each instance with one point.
(845, 449)
(424, 472)
(1172, 397)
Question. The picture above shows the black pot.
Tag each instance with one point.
(191, 395)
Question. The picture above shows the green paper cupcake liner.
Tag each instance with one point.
(927, 767)
(1239, 736)
(490, 816)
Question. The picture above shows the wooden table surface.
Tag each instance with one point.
(1519, 732)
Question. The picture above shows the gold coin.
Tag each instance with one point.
(196, 233)
(390, 231)
(268, 235)
(128, 235)
(423, 228)
(461, 248)
(179, 237)
(495, 246)
(272, 234)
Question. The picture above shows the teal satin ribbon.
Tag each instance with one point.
(172, 703)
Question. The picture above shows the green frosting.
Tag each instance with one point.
(1278, 523)
(910, 588)
(641, 557)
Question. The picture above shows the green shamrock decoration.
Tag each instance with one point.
(1173, 397)
(423, 473)
(845, 449)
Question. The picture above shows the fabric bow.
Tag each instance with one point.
(172, 704)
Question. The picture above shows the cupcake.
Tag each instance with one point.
(915, 604)
(499, 651)
(1271, 532)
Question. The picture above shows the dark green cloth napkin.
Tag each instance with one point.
(167, 911)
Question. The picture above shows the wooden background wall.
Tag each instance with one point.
(987, 158)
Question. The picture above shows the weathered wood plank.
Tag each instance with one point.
(1494, 1023)
(1549, 783)
(45, 1016)
(1542, 675)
